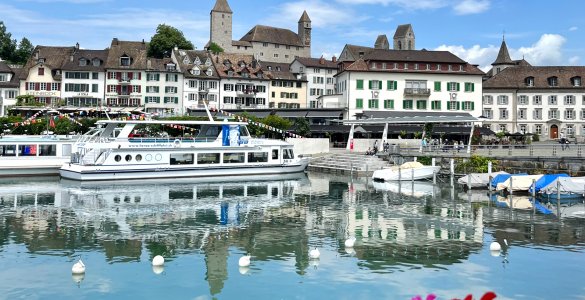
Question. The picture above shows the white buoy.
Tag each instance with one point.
(244, 261)
(158, 269)
(78, 267)
(314, 254)
(495, 246)
(350, 242)
(158, 261)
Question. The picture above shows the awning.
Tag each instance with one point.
(395, 117)
(291, 113)
(325, 114)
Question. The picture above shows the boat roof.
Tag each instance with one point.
(177, 122)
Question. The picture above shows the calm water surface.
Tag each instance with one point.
(412, 239)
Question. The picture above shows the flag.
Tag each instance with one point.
(51, 122)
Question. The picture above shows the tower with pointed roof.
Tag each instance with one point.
(305, 29)
(503, 60)
(404, 38)
(221, 25)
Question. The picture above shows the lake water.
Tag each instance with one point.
(412, 239)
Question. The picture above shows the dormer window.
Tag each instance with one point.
(208, 62)
(125, 61)
(195, 71)
(245, 75)
(277, 68)
(171, 67)
(230, 73)
(186, 60)
(209, 72)
(242, 64)
(576, 81)
(260, 75)
(529, 81)
(269, 68)
(41, 61)
(82, 62)
(553, 81)
(373, 65)
(361, 54)
(96, 62)
(461, 68)
(197, 61)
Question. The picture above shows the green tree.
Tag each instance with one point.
(24, 51)
(215, 48)
(7, 44)
(165, 39)
(276, 122)
(27, 100)
(301, 127)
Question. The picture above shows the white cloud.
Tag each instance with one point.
(574, 28)
(468, 7)
(548, 50)
(407, 4)
(322, 14)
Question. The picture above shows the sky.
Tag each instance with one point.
(542, 32)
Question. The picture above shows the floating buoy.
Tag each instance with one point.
(78, 267)
(244, 261)
(350, 242)
(495, 246)
(158, 261)
(314, 254)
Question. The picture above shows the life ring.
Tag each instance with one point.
(177, 143)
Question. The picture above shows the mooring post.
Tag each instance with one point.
(534, 196)
(511, 185)
(469, 182)
(558, 198)
(490, 168)
(412, 176)
(452, 166)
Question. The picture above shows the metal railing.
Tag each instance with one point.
(538, 150)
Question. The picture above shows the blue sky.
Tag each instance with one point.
(544, 32)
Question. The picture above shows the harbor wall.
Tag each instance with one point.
(362, 145)
(309, 146)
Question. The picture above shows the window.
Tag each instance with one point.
(373, 103)
(43, 86)
(452, 86)
(375, 85)
(360, 84)
(150, 99)
(503, 114)
(152, 77)
(523, 100)
(502, 100)
(95, 75)
(552, 100)
(171, 89)
(125, 61)
(172, 100)
(529, 81)
(436, 105)
(569, 100)
(257, 157)
(389, 104)
(576, 81)
(152, 89)
(583, 114)
(537, 114)
(235, 158)
(487, 113)
(453, 105)
(3, 77)
(359, 103)
(468, 105)
(11, 94)
(264, 44)
(172, 77)
(275, 55)
(207, 158)
(437, 86)
(538, 129)
(523, 128)
(570, 114)
(228, 87)
(570, 130)
(552, 81)
(522, 114)
(41, 71)
(537, 100)
(469, 87)
(391, 85)
(94, 88)
(488, 100)
(553, 114)
(421, 104)
(407, 104)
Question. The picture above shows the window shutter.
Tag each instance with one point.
(37, 86)
(176, 100)
(458, 87)
(473, 87)
(139, 75)
(389, 85)
(437, 86)
(118, 75)
(380, 84)
(433, 104)
(139, 87)
(119, 89)
(458, 106)
(26, 86)
(392, 104)
(130, 75)
(472, 105)
(370, 84)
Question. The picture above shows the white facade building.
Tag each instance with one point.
(83, 80)
(9, 85)
(201, 82)
(320, 76)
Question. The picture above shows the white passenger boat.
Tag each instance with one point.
(27, 155)
(218, 149)
(406, 171)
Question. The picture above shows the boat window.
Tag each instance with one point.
(128, 157)
(288, 154)
(244, 131)
(7, 150)
(117, 158)
(47, 150)
(207, 158)
(138, 157)
(209, 132)
(117, 199)
(27, 150)
(182, 158)
(257, 157)
(275, 154)
(148, 157)
(66, 150)
(127, 199)
(234, 158)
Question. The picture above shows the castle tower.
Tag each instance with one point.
(503, 60)
(305, 30)
(221, 25)
(404, 38)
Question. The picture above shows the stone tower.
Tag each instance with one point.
(503, 60)
(305, 30)
(382, 42)
(221, 25)
(404, 38)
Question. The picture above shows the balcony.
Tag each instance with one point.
(417, 92)
(124, 81)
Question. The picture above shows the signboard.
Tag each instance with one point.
(42, 93)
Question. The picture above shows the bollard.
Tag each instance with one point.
(399, 174)
(490, 182)
(469, 182)
(433, 161)
(412, 176)
(490, 168)
(452, 166)
(511, 184)
(558, 194)
(534, 196)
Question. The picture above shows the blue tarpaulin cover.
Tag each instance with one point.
(546, 180)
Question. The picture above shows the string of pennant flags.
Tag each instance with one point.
(261, 125)
(33, 119)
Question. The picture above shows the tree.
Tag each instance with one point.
(301, 127)
(276, 122)
(24, 51)
(215, 48)
(165, 39)
(27, 100)
(7, 44)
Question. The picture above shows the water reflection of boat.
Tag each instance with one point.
(474, 196)
(406, 172)
(520, 202)
(414, 188)
(571, 211)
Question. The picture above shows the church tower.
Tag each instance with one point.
(404, 38)
(221, 25)
(503, 60)
(305, 30)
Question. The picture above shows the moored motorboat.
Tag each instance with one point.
(406, 171)
(478, 180)
(520, 183)
(218, 149)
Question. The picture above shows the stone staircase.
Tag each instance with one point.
(347, 164)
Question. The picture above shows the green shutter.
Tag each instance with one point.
(359, 103)
(388, 84)
(472, 105)
(458, 106)
(458, 87)
(370, 84)
(360, 84)
(473, 87)
(395, 83)
(392, 104)
(437, 86)
(380, 84)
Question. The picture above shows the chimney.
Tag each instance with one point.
(77, 46)
(115, 41)
(334, 59)
(321, 60)
(148, 64)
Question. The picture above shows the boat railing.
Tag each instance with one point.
(170, 140)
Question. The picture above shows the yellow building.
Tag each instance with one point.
(287, 89)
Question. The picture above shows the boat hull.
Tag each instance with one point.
(32, 166)
(94, 173)
(397, 174)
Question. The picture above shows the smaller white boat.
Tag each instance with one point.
(407, 171)
(520, 183)
(478, 180)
